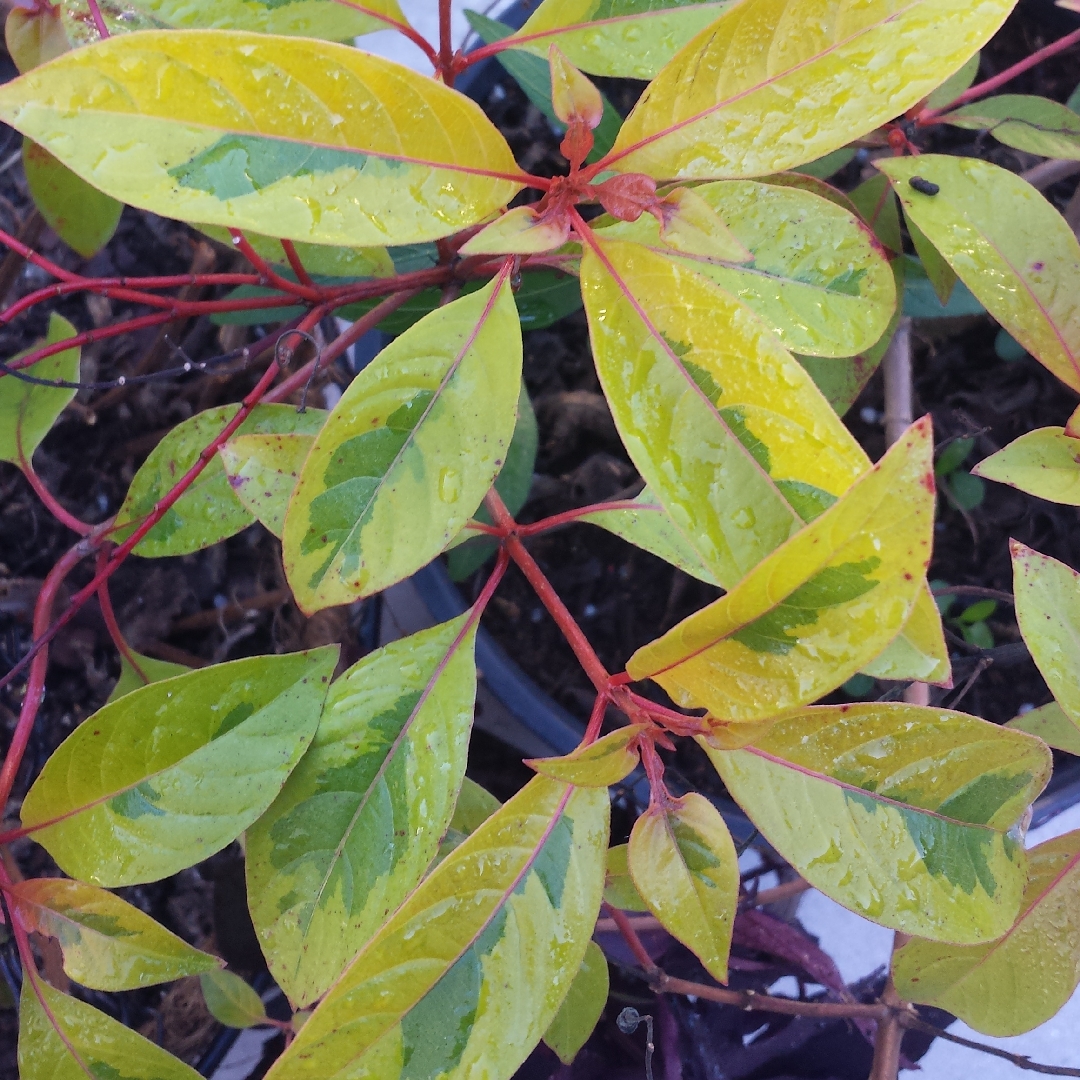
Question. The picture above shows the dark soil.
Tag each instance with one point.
(189, 609)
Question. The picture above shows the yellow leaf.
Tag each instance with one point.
(573, 95)
(1051, 724)
(919, 650)
(604, 762)
(818, 608)
(521, 231)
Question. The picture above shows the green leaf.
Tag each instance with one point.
(65, 1039)
(978, 634)
(830, 164)
(441, 990)
(149, 671)
(955, 84)
(981, 609)
(967, 491)
(263, 471)
(630, 39)
(167, 775)
(27, 412)
(683, 862)
(723, 106)
(901, 813)
(474, 806)
(921, 300)
(361, 817)
(79, 214)
(1011, 985)
(939, 273)
(1007, 244)
(877, 206)
(600, 764)
(1007, 348)
(582, 1008)
(1033, 124)
(1044, 462)
(107, 943)
(341, 147)
(1047, 597)
(209, 511)
(817, 278)
(953, 456)
(408, 453)
(1051, 724)
(737, 466)
(619, 888)
(231, 1001)
(533, 75)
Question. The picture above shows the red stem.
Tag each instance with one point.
(446, 44)
(109, 615)
(931, 116)
(596, 720)
(31, 255)
(99, 22)
(568, 517)
(404, 28)
(297, 266)
(268, 273)
(630, 936)
(51, 504)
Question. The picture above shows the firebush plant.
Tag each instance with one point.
(736, 305)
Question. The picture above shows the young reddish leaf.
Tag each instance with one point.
(1033, 124)
(408, 453)
(107, 943)
(574, 97)
(63, 1038)
(167, 775)
(362, 816)
(1007, 244)
(683, 862)
(442, 986)
(1047, 597)
(339, 148)
(79, 214)
(149, 671)
(1052, 724)
(619, 888)
(631, 39)
(818, 608)
(600, 764)
(582, 1008)
(521, 231)
(209, 511)
(27, 411)
(231, 1001)
(35, 37)
(905, 815)
(1044, 462)
(1011, 985)
(263, 471)
(723, 107)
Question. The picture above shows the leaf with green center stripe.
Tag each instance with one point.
(1011, 985)
(583, 1007)
(682, 860)
(469, 972)
(818, 277)
(408, 453)
(691, 377)
(901, 813)
(769, 85)
(630, 39)
(619, 888)
(818, 608)
(1035, 125)
(1044, 462)
(289, 137)
(27, 412)
(209, 511)
(600, 764)
(65, 1039)
(1007, 244)
(107, 943)
(360, 819)
(167, 775)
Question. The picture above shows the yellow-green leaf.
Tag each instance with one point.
(107, 943)
(149, 671)
(209, 511)
(955, 84)
(919, 650)
(231, 1001)
(79, 214)
(1044, 462)
(27, 411)
(1035, 125)
(683, 862)
(940, 274)
(1011, 985)
(339, 147)
(818, 608)
(630, 39)
(167, 775)
(1047, 597)
(467, 975)
(263, 471)
(876, 204)
(775, 83)
(901, 813)
(34, 37)
(1051, 724)
(582, 1007)
(604, 762)
(817, 278)
(474, 806)
(1007, 244)
(408, 453)
(691, 376)
(63, 1038)
(361, 817)
(619, 888)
